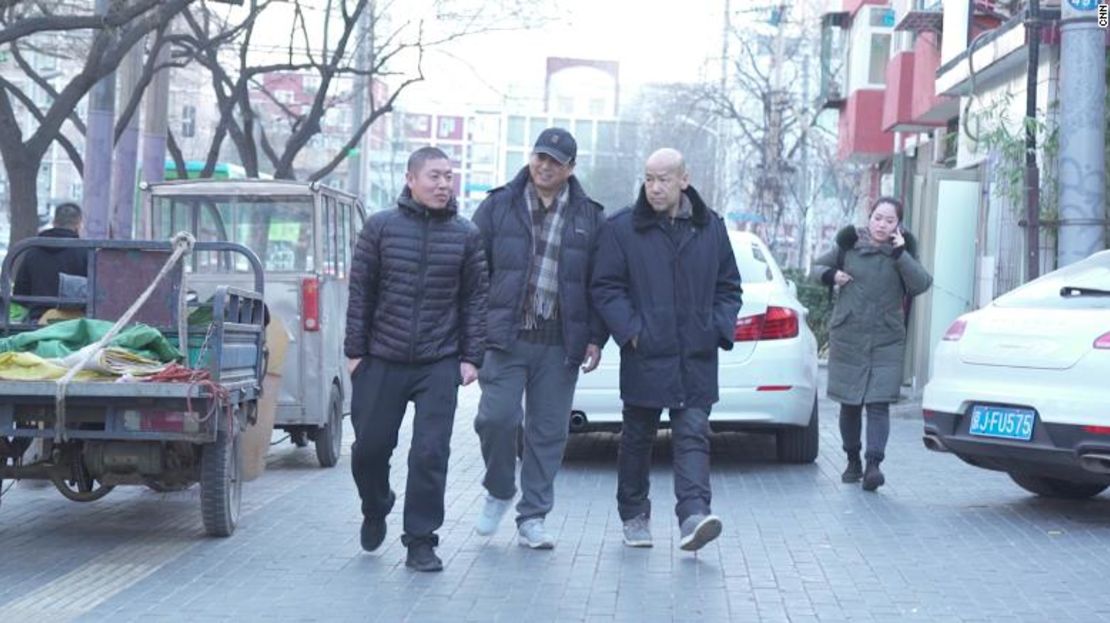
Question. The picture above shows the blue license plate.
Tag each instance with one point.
(1002, 422)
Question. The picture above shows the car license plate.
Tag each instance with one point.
(1002, 422)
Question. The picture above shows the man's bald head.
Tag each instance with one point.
(667, 158)
(665, 178)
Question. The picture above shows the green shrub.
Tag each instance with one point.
(815, 297)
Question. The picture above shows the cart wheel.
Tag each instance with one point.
(221, 484)
(79, 486)
(329, 439)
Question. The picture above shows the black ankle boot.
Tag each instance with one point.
(854, 471)
(422, 557)
(872, 476)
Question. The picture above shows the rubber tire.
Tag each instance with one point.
(800, 444)
(221, 484)
(329, 439)
(1057, 488)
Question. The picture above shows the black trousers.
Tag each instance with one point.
(878, 428)
(690, 439)
(381, 392)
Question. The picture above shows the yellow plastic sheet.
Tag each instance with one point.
(31, 367)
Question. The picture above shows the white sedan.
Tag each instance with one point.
(768, 381)
(1023, 385)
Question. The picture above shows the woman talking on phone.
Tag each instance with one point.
(876, 270)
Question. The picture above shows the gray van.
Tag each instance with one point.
(304, 233)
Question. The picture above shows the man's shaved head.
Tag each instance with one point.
(664, 179)
(668, 159)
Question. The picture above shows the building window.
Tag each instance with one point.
(606, 136)
(880, 56)
(584, 134)
(564, 105)
(514, 160)
(535, 126)
(449, 127)
(189, 121)
(597, 106)
(515, 133)
(882, 17)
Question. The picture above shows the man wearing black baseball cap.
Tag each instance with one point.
(540, 231)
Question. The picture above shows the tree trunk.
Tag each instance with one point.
(23, 194)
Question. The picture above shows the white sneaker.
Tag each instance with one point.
(490, 517)
(533, 534)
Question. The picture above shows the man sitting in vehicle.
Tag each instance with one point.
(40, 267)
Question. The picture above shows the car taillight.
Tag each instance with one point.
(1097, 430)
(955, 331)
(1103, 343)
(310, 302)
(778, 323)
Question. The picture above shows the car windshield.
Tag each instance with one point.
(1083, 285)
(279, 229)
(755, 265)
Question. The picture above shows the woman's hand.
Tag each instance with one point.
(842, 278)
(897, 239)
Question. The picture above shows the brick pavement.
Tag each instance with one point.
(941, 542)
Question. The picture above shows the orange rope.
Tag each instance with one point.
(177, 373)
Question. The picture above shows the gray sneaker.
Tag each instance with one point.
(637, 531)
(532, 534)
(490, 517)
(698, 530)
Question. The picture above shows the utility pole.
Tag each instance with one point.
(97, 182)
(771, 187)
(155, 125)
(721, 179)
(803, 248)
(1082, 166)
(126, 152)
(362, 88)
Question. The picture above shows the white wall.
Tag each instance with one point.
(955, 29)
(1004, 103)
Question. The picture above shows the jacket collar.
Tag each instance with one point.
(577, 194)
(644, 216)
(57, 232)
(852, 237)
(411, 206)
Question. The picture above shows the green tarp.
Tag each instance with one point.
(65, 338)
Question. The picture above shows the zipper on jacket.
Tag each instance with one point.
(423, 268)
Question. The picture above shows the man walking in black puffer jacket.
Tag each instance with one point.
(416, 329)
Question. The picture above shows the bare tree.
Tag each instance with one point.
(326, 49)
(106, 39)
(780, 145)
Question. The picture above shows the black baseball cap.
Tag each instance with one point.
(557, 143)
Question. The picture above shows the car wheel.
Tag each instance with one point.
(1057, 488)
(799, 444)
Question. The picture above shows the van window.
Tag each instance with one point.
(328, 251)
(279, 229)
(344, 237)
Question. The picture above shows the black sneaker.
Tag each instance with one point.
(373, 533)
(422, 557)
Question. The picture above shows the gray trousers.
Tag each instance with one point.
(878, 428)
(539, 374)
